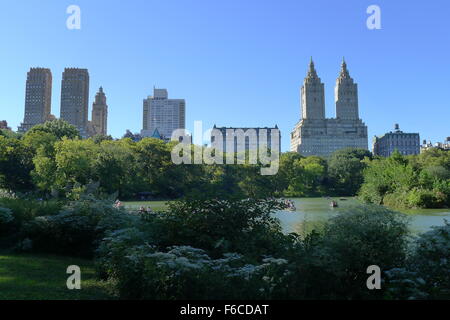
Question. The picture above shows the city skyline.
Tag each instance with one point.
(237, 71)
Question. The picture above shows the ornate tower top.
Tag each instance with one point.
(344, 71)
(100, 97)
(312, 74)
(346, 95)
(312, 95)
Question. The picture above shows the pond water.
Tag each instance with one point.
(311, 213)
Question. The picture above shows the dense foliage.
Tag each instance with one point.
(220, 240)
(51, 161)
(421, 181)
(235, 249)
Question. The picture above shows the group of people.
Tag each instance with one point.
(290, 204)
(142, 209)
(145, 210)
(117, 204)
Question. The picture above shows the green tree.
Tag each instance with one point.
(15, 165)
(345, 170)
(308, 175)
(74, 162)
(59, 128)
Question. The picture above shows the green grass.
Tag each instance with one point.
(155, 205)
(43, 277)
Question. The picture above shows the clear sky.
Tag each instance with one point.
(236, 62)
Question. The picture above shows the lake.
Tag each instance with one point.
(311, 214)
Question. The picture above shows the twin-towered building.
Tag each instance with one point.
(316, 135)
(74, 101)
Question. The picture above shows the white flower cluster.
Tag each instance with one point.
(184, 259)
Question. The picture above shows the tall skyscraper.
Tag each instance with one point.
(163, 114)
(100, 113)
(316, 135)
(75, 98)
(38, 98)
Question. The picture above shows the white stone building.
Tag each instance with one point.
(316, 135)
(163, 114)
(248, 139)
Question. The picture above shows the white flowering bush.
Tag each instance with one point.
(404, 285)
(77, 228)
(7, 194)
(138, 270)
(426, 274)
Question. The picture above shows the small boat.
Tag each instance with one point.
(333, 204)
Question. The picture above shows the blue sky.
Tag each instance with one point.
(236, 62)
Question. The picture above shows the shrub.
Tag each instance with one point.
(220, 226)
(142, 271)
(420, 198)
(184, 252)
(333, 264)
(427, 270)
(77, 229)
(27, 209)
(6, 217)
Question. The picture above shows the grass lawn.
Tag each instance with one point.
(135, 205)
(43, 277)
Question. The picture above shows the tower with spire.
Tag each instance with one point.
(346, 95)
(313, 95)
(100, 113)
(317, 135)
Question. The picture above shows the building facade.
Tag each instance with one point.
(405, 143)
(99, 114)
(75, 98)
(250, 139)
(4, 125)
(38, 98)
(162, 114)
(437, 145)
(316, 135)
